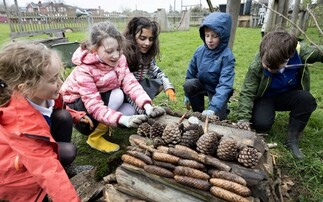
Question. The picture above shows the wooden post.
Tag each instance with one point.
(233, 8)
(295, 17)
(210, 6)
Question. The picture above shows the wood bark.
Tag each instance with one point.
(233, 7)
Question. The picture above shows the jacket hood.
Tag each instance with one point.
(221, 24)
(82, 56)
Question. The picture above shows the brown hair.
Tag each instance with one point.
(276, 48)
(132, 52)
(101, 31)
(24, 63)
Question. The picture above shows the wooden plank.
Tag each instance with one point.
(135, 181)
(111, 194)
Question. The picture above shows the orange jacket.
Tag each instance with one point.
(29, 165)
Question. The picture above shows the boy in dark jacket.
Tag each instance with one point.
(211, 70)
(278, 80)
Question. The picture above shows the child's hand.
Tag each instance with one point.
(132, 121)
(87, 120)
(208, 112)
(171, 94)
(187, 103)
(153, 111)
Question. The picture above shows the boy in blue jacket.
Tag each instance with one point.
(211, 70)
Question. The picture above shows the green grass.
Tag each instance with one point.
(177, 49)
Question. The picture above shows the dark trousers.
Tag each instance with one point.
(78, 105)
(195, 92)
(61, 129)
(300, 103)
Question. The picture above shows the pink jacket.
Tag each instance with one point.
(29, 165)
(91, 77)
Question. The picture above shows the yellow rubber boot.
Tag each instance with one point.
(97, 141)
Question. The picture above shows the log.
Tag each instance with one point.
(111, 194)
(86, 186)
(245, 137)
(136, 182)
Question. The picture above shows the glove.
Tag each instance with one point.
(187, 103)
(153, 111)
(171, 94)
(244, 124)
(132, 121)
(208, 112)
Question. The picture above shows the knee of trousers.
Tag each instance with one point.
(61, 115)
(193, 87)
(262, 125)
(307, 101)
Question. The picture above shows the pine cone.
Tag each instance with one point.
(208, 143)
(189, 138)
(248, 157)
(227, 149)
(156, 130)
(191, 134)
(158, 141)
(144, 129)
(172, 133)
(196, 127)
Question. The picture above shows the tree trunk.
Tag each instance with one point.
(233, 8)
(295, 17)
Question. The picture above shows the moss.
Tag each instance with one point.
(104, 163)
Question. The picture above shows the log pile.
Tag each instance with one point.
(203, 171)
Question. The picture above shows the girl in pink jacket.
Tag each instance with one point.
(32, 159)
(99, 84)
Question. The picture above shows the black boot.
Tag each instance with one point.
(295, 129)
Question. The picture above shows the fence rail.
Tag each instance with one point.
(30, 24)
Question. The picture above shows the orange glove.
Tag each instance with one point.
(171, 94)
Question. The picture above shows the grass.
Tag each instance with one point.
(177, 49)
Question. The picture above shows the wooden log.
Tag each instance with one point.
(245, 137)
(136, 182)
(86, 186)
(111, 194)
(253, 176)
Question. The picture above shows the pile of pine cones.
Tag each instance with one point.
(194, 137)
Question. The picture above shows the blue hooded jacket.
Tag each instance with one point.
(215, 68)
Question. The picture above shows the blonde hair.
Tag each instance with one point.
(24, 63)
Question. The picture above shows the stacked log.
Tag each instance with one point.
(189, 168)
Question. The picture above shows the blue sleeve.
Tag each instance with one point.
(192, 70)
(225, 86)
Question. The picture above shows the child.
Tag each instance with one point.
(278, 80)
(30, 164)
(98, 84)
(141, 50)
(211, 70)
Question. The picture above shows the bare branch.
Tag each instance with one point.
(316, 23)
(291, 22)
